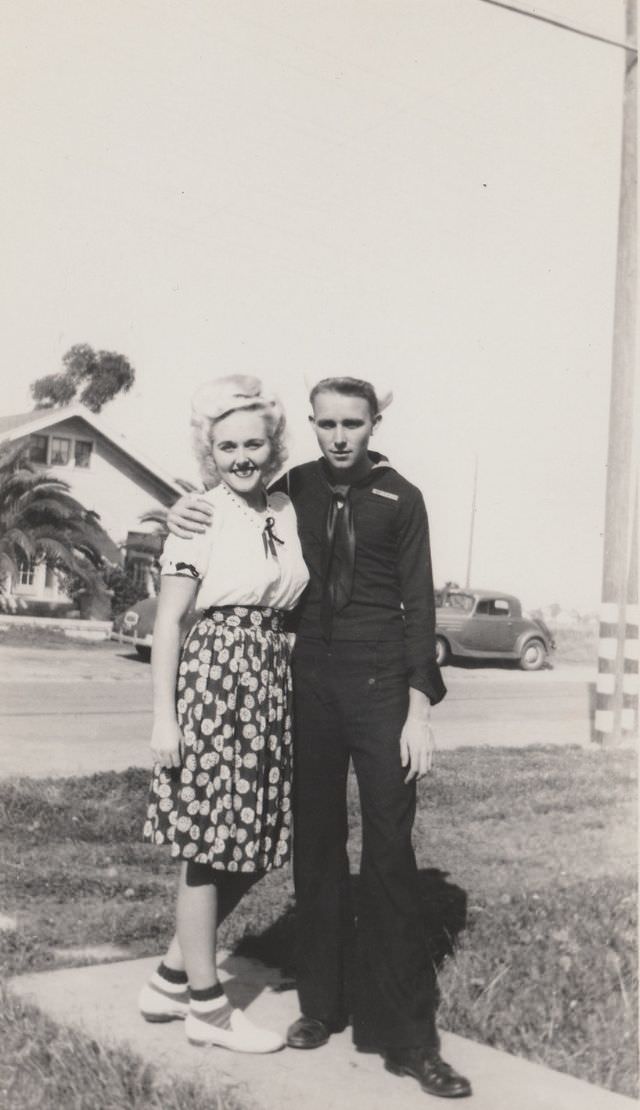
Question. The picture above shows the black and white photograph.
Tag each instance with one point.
(319, 611)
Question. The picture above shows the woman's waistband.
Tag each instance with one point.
(246, 616)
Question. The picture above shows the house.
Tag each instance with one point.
(105, 473)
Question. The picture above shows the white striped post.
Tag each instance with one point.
(617, 684)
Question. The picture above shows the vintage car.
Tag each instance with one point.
(486, 624)
(135, 626)
(480, 624)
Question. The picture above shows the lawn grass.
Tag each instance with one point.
(538, 843)
(52, 1067)
(544, 843)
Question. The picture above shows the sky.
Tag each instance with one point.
(423, 192)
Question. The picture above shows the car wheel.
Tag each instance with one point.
(144, 652)
(442, 651)
(533, 655)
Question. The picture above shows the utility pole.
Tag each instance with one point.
(617, 685)
(616, 717)
(473, 518)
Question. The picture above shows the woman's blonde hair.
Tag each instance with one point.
(216, 399)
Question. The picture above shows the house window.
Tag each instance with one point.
(60, 451)
(38, 446)
(82, 452)
(139, 570)
(26, 570)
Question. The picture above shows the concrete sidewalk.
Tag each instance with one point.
(101, 1000)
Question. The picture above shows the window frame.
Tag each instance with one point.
(60, 439)
(45, 440)
(26, 572)
(83, 443)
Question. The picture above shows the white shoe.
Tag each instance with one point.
(157, 1004)
(241, 1035)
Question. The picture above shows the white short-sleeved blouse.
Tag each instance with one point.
(242, 558)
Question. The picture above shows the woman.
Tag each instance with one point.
(220, 793)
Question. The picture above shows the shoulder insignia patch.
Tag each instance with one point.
(385, 493)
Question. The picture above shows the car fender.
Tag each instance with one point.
(455, 647)
(530, 634)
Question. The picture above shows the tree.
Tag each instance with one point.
(158, 517)
(124, 589)
(93, 377)
(41, 522)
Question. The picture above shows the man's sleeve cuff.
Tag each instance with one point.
(429, 680)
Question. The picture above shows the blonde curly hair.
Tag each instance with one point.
(218, 398)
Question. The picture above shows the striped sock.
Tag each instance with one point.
(212, 1006)
(172, 984)
(171, 974)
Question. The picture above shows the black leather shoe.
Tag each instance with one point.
(427, 1066)
(308, 1033)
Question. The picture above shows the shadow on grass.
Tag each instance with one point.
(445, 916)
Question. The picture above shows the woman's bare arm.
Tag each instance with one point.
(177, 594)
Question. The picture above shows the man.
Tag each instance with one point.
(365, 678)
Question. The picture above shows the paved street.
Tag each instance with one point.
(81, 709)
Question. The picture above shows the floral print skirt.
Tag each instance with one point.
(229, 804)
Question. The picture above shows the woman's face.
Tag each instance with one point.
(241, 451)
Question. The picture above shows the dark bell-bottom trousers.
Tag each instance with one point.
(351, 701)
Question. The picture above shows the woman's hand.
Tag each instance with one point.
(190, 514)
(166, 742)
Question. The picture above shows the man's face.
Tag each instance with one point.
(344, 426)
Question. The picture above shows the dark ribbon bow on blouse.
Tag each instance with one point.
(340, 558)
(269, 538)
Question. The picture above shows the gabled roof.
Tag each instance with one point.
(8, 423)
(27, 423)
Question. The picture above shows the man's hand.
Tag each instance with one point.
(189, 515)
(417, 745)
(166, 742)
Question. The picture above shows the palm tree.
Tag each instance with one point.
(41, 522)
(158, 516)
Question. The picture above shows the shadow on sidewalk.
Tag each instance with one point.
(445, 916)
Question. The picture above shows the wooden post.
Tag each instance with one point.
(617, 683)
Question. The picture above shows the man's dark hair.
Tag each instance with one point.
(349, 387)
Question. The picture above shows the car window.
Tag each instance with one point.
(493, 607)
(459, 601)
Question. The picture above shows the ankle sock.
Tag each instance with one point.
(170, 981)
(172, 975)
(211, 1004)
